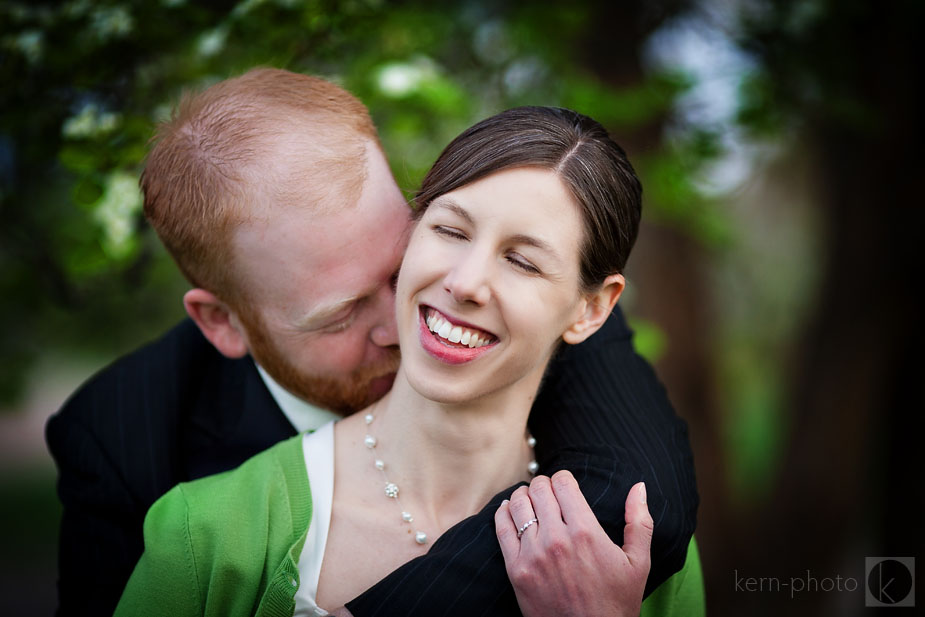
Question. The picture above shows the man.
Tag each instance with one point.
(272, 193)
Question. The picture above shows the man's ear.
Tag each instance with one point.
(217, 322)
(598, 307)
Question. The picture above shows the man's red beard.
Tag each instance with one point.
(344, 395)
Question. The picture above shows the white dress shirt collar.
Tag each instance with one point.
(302, 415)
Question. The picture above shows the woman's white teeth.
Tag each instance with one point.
(454, 334)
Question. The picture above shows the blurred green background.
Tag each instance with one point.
(773, 284)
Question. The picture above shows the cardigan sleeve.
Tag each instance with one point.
(165, 581)
(682, 593)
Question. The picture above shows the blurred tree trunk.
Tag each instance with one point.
(849, 487)
(674, 293)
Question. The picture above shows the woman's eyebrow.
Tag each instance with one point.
(452, 206)
(448, 204)
(535, 242)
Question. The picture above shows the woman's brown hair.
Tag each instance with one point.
(592, 166)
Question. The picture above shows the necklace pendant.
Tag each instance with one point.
(391, 490)
(369, 442)
(406, 516)
(420, 537)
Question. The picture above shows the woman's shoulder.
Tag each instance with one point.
(223, 540)
(273, 477)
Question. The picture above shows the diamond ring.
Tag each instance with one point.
(523, 527)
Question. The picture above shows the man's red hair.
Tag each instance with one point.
(213, 163)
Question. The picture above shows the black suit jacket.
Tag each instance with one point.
(177, 410)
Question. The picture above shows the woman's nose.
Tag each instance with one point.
(467, 281)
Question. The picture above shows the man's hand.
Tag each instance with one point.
(563, 563)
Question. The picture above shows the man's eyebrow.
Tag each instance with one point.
(319, 317)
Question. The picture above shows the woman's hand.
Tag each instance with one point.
(563, 563)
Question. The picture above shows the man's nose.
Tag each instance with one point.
(385, 332)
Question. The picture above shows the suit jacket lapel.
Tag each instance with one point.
(235, 418)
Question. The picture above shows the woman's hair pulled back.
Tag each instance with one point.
(593, 168)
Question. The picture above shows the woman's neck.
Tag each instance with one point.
(450, 459)
(447, 460)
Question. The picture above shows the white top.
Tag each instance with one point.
(318, 448)
(303, 416)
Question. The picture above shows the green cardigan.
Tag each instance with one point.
(228, 545)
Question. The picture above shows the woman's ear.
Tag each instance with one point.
(598, 307)
(216, 322)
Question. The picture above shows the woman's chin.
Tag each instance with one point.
(440, 389)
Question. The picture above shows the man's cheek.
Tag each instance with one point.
(339, 355)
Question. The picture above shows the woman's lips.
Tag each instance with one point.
(449, 341)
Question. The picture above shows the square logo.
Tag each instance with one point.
(890, 581)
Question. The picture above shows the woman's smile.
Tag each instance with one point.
(451, 341)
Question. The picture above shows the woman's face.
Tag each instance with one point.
(489, 284)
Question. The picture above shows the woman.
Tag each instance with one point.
(524, 226)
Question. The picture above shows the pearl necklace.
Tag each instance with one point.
(391, 489)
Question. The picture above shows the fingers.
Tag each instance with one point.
(522, 512)
(637, 536)
(572, 503)
(506, 532)
(544, 503)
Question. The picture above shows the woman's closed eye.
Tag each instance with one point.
(518, 261)
(450, 232)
